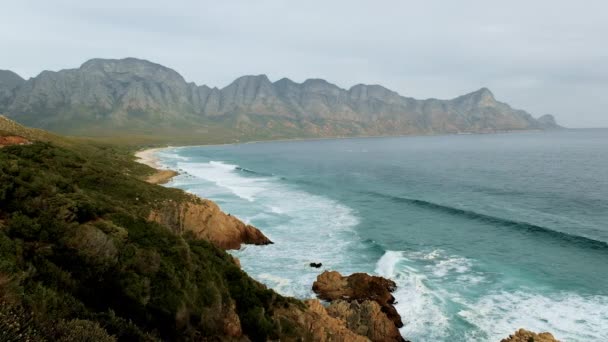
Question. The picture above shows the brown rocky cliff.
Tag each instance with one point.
(523, 335)
(313, 323)
(331, 285)
(206, 221)
(366, 319)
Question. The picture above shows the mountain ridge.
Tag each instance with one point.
(137, 95)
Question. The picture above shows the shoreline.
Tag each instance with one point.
(162, 176)
(150, 160)
(373, 289)
(147, 157)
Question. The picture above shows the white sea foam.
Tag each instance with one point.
(432, 255)
(420, 308)
(493, 315)
(451, 265)
(386, 265)
(570, 317)
(223, 175)
(277, 283)
(305, 227)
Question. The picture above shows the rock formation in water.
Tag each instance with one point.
(206, 221)
(364, 302)
(106, 97)
(523, 335)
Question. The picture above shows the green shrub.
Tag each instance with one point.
(89, 266)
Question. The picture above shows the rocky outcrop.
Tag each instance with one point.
(365, 318)
(206, 221)
(523, 335)
(161, 176)
(363, 302)
(313, 323)
(141, 96)
(331, 285)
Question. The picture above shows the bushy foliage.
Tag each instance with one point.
(85, 264)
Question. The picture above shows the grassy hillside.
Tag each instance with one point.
(79, 261)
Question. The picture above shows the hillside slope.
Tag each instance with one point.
(111, 97)
(91, 252)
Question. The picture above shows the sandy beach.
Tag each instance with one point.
(148, 157)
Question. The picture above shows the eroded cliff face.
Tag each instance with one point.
(313, 323)
(366, 319)
(206, 221)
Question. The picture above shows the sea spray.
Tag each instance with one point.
(420, 309)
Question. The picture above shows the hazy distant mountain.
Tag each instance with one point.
(114, 96)
(9, 81)
(547, 121)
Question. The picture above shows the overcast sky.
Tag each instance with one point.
(544, 56)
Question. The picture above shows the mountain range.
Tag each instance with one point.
(105, 97)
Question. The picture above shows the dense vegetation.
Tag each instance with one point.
(78, 260)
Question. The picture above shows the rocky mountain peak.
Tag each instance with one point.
(480, 98)
(246, 89)
(319, 85)
(365, 91)
(130, 66)
(483, 94)
(547, 121)
(252, 80)
(10, 80)
(285, 82)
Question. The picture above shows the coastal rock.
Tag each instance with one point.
(523, 335)
(366, 319)
(331, 285)
(313, 323)
(161, 177)
(205, 219)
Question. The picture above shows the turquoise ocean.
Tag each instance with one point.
(483, 234)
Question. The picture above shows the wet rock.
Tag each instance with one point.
(523, 335)
(331, 285)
